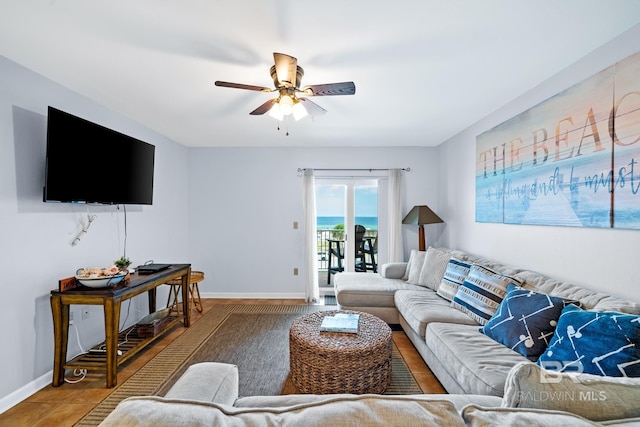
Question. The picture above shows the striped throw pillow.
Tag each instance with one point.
(453, 277)
(482, 292)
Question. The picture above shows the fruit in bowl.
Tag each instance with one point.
(95, 277)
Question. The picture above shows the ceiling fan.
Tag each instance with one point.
(286, 75)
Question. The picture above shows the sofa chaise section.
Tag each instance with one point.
(373, 293)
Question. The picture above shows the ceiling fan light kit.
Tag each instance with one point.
(287, 78)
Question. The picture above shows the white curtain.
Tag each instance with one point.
(396, 246)
(312, 291)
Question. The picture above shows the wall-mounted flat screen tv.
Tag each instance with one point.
(89, 163)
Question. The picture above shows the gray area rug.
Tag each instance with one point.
(258, 344)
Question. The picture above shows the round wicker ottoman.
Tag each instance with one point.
(339, 362)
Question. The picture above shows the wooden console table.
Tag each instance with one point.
(111, 299)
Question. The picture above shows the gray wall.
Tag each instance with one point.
(601, 259)
(243, 202)
(36, 237)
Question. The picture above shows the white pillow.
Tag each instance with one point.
(435, 264)
(416, 261)
(406, 271)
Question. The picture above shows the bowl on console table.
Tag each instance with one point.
(92, 280)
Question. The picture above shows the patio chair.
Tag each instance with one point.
(370, 248)
(336, 250)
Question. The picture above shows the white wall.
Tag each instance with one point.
(243, 202)
(601, 259)
(36, 237)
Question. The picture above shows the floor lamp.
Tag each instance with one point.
(419, 216)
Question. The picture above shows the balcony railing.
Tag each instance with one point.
(323, 245)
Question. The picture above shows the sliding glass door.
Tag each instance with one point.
(341, 205)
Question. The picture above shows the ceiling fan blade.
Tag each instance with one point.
(286, 67)
(313, 109)
(344, 88)
(263, 108)
(243, 86)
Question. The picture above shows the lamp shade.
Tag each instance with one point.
(421, 215)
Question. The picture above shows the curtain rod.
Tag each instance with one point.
(352, 169)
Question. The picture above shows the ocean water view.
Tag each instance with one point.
(329, 222)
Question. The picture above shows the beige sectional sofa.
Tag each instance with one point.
(448, 339)
(207, 395)
(490, 382)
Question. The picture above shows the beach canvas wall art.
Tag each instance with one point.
(571, 160)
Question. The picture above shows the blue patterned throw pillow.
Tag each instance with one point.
(525, 321)
(481, 293)
(595, 342)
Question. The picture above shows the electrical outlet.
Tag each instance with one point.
(295, 271)
(85, 312)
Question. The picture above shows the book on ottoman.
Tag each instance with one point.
(341, 322)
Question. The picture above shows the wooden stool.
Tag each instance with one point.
(195, 278)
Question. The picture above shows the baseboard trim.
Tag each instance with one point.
(25, 391)
(251, 295)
